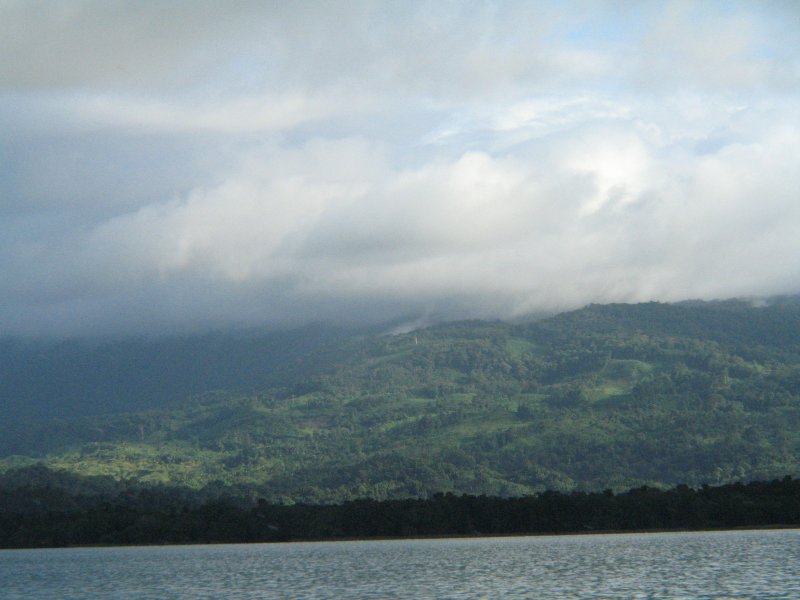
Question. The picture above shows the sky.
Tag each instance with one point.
(194, 165)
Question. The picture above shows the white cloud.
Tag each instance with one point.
(248, 114)
(708, 46)
(196, 165)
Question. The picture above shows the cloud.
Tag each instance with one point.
(739, 55)
(217, 166)
(97, 43)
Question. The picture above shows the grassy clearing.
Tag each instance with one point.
(627, 369)
(517, 347)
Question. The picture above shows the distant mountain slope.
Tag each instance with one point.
(606, 396)
(42, 380)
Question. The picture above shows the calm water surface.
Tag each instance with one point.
(751, 564)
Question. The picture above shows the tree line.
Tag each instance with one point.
(46, 513)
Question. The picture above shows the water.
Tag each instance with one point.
(750, 564)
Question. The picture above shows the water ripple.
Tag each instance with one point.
(721, 565)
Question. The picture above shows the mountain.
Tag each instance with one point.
(46, 379)
(609, 396)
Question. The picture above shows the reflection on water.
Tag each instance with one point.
(750, 564)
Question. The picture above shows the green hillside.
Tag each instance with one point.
(607, 396)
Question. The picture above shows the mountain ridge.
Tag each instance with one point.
(604, 396)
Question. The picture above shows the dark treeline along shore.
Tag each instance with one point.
(42, 508)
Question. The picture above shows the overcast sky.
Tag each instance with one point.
(186, 165)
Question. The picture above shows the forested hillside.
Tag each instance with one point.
(609, 396)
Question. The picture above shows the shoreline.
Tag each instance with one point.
(462, 536)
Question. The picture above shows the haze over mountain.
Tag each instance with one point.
(195, 166)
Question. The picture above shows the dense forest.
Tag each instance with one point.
(606, 397)
(39, 508)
